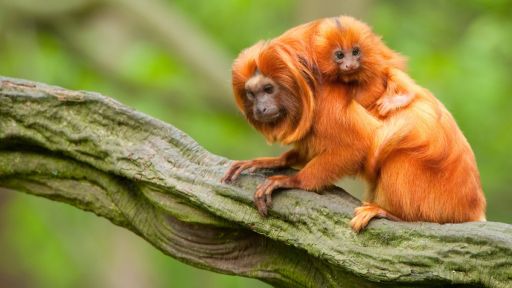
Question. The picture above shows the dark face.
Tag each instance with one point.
(348, 60)
(263, 94)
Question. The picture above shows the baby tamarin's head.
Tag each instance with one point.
(274, 90)
(347, 50)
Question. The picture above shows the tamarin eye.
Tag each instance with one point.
(249, 95)
(269, 89)
(356, 51)
(339, 55)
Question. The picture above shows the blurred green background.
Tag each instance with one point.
(171, 60)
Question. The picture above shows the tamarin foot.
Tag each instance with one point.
(363, 214)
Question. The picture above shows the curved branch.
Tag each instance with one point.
(94, 153)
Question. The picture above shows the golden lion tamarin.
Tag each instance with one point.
(424, 167)
(276, 89)
(302, 89)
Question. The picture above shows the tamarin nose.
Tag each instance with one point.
(261, 110)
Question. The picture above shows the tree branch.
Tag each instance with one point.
(94, 153)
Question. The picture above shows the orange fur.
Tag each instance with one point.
(423, 166)
(333, 133)
(379, 80)
(419, 165)
(276, 63)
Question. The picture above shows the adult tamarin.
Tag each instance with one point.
(276, 89)
(424, 167)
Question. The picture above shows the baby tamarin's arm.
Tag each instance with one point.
(400, 92)
(287, 159)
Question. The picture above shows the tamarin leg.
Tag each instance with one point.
(320, 172)
(287, 159)
(363, 214)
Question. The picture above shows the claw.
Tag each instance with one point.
(263, 210)
(268, 199)
(229, 173)
(237, 172)
(260, 198)
(260, 203)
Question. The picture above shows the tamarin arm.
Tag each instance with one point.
(321, 171)
(400, 92)
(289, 158)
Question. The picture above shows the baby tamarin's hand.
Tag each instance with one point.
(391, 103)
(400, 92)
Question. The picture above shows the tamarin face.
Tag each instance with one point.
(263, 99)
(347, 50)
(274, 91)
(348, 59)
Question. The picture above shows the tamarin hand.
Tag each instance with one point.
(285, 160)
(263, 195)
(237, 168)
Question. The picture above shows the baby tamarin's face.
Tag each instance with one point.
(348, 59)
(346, 49)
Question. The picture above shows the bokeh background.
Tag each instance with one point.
(171, 60)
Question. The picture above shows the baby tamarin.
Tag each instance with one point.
(349, 52)
(423, 165)
(276, 89)
(381, 97)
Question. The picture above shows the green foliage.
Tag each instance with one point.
(245, 21)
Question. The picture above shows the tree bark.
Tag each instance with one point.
(92, 152)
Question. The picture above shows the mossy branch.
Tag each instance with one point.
(92, 152)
